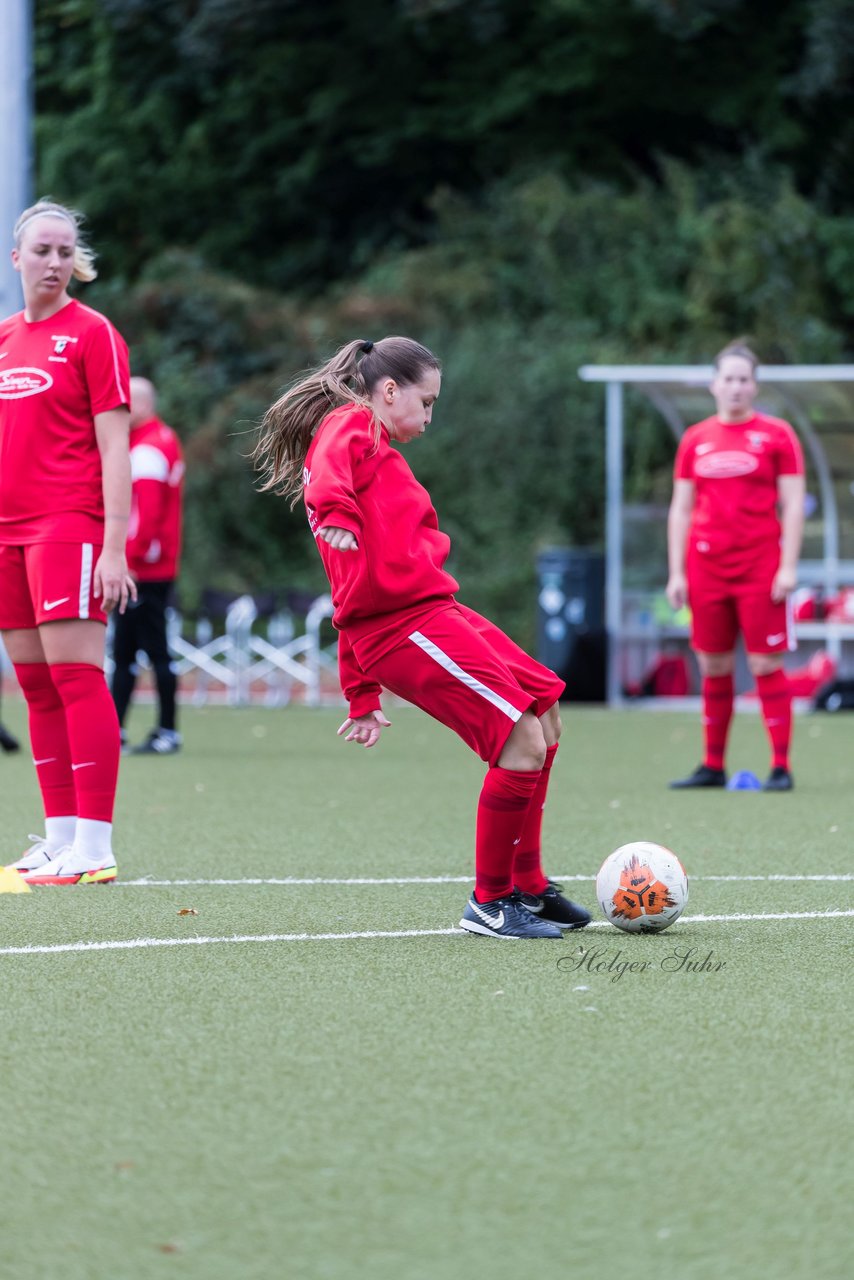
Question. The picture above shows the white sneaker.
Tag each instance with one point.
(68, 867)
(36, 856)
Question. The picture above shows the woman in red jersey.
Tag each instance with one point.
(329, 438)
(734, 537)
(65, 490)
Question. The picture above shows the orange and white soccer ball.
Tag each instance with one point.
(642, 887)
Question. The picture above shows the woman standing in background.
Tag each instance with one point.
(734, 537)
(65, 489)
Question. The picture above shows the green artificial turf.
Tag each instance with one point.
(438, 1106)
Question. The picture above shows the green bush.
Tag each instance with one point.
(514, 293)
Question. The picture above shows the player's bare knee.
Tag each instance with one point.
(764, 664)
(525, 749)
(24, 645)
(551, 723)
(716, 664)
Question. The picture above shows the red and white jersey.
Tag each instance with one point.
(355, 480)
(734, 468)
(55, 376)
(154, 530)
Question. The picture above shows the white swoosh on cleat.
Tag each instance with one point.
(494, 922)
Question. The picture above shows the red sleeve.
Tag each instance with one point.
(341, 447)
(106, 368)
(150, 499)
(791, 454)
(362, 694)
(683, 467)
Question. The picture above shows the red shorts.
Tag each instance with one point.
(466, 673)
(720, 608)
(47, 582)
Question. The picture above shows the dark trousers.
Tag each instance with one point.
(142, 628)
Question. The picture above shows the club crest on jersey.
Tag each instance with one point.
(60, 342)
(725, 465)
(16, 384)
(756, 439)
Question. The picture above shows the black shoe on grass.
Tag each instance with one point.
(552, 905)
(779, 779)
(702, 776)
(505, 918)
(7, 742)
(160, 742)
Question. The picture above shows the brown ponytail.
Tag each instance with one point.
(289, 424)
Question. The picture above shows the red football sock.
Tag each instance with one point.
(717, 694)
(93, 734)
(528, 871)
(775, 698)
(501, 809)
(48, 738)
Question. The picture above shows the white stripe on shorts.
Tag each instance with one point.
(85, 578)
(438, 655)
(791, 637)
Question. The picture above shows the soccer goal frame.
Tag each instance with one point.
(811, 397)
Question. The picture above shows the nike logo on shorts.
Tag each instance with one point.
(47, 605)
(777, 638)
(85, 765)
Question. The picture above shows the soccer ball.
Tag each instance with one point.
(642, 887)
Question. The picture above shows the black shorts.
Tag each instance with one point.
(143, 626)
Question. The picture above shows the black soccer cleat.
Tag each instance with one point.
(552, 905)
(505, 918)
(779, 779)
(7, 742)
(160, 742)
(702, 776)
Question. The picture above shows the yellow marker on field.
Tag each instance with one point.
(11, 881)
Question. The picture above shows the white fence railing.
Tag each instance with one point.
(289, 656)
(241, 658)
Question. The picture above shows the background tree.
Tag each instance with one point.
(289, 142)
(525, 186)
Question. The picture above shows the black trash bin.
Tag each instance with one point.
(571, 636)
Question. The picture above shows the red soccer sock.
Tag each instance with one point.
(48, 738)
(775, 698)
(528, 873)
(717, 694)
(93, 735)
(503, 804)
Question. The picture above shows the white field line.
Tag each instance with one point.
(135, 944)
(145, 882)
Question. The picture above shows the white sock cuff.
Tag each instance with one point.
(59, 832)
(94, 839)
